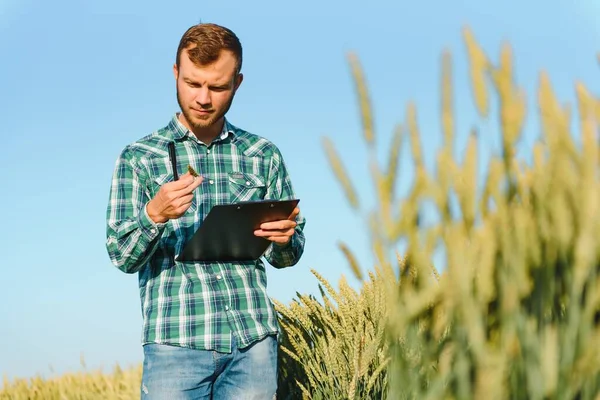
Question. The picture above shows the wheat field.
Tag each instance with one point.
(119, 384)
(515, 314)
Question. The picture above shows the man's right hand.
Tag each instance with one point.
(173, 198)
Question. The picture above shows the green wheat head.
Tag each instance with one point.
(515, 313)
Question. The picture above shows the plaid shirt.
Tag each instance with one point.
(197, 305)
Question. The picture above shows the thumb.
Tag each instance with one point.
(294, 214)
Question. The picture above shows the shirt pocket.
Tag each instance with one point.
(246, 187)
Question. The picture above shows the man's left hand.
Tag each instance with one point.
(279, 232)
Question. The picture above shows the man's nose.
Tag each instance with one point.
(203, 97)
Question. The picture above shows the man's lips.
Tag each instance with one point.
(202, 111)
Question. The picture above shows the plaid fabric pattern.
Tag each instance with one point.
(197, 305)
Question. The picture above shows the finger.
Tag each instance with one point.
(197, 182)
(278, 225)
(177, 202)
(271, 237)
(183, 208)
(192, 185)
(187, 199)
(171, 197)
(275, 233)
(278, 239)
(184, 181)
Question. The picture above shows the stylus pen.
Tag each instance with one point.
(173, 160)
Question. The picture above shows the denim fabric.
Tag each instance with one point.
(178, 373)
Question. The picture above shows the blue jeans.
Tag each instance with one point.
(176, 373)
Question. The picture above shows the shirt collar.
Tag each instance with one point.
(179, 130)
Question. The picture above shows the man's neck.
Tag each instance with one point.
(206, 135)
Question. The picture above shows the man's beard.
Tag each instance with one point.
(202, 124)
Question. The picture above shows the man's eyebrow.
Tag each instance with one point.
(189, 80)
(225, 84)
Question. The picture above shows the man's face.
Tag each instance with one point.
(206, 93)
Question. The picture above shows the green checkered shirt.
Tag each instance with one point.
(197, 305)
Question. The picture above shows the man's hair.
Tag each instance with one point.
(205, 41)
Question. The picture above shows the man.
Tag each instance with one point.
(208, 328)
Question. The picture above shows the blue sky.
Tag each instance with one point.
(81, 79)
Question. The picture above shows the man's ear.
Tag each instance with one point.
(175, 71)
(238, 81)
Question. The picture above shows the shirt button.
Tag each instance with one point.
(211, 182)
(226, 308)
(247, 183)
(207, 151)
(218, 276)
(153, 230)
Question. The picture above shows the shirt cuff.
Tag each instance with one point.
(282, 252)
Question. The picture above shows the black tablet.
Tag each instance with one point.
(227, 232)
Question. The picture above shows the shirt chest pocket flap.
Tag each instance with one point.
(246, 187)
